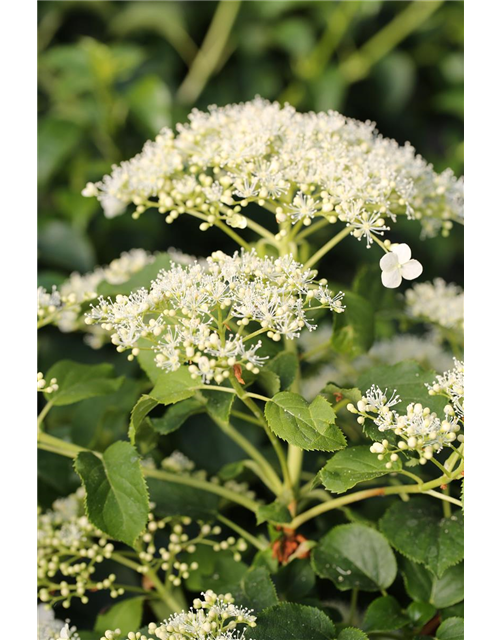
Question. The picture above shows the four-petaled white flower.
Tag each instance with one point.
(397, 264)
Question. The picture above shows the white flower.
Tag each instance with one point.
(437, 302)
(397, 264)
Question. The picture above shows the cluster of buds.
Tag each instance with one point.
(42, 385)
(69, 550)
(419, 430)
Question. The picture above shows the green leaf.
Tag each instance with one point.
(355, 556)
(352, 634)
(408, 379)
(56, 141)
(308, 426)
(255, 590)
(384, 614)
(275, 512)
(353, 465)
(279, 373)
(418, 530)
(335, 394)
(354, 330)
(116, 494)
(420, 613)
(172, 499)
(422, 585)
(219, 404)
(289, 621)
(217, 570)
(174, 386)
(126, 614)
(80, 381)
(295, 580)
(451, 629)
(64, 246)
(149, 100)
(176, 415)
(143, 406)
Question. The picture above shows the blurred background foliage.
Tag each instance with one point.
(111, 74)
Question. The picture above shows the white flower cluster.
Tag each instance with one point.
(215, 617)
(420, 429)
(41, 384)
(62, 306)
(451, 385)
(438, 303)
(199, 314)
(69, 548)
(50, 628)
(299, 166)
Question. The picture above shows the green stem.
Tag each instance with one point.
(235, 236)
(210, 52)
(43, 413)
(232, 496)
(352, 609)
(358, 65)
(258, 544)
(246, 398)
(369, 493)
(244, 416)
(267, 473)
(447, 500)
(329, 245)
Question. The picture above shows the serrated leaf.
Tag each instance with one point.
(408, 379)
(275, 512)
(308, 426)
(176, 415)
(354, 330)
(217, 570)
(384, 614)
(355, 556)
(418, 531)
(172, 499)
(81, 381)
(352, 634)
(255, 590)
(451, 629)
(126, 614)
(116, 494)
(422, 585)
(289, 621)
(351, 466)
(174, 386)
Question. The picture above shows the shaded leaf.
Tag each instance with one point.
(451, 629)
(355, 556)
(289, 621)
(275, 512)
(126, 614)
(81, 381)
(384, 614)
(418, 530)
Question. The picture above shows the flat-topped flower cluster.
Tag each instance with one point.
(212, 617)
(299, 166)
(199, 314)
(419, 429)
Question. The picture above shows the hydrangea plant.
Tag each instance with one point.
(325, 498)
